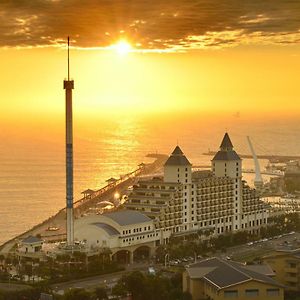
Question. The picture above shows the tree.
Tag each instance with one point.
(135, 283)
(100, 293)
(77, 294)
(120, 289)
(186, 296)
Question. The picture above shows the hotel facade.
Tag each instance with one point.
(184, 201)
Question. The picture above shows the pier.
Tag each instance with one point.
(270, 157)
(82, 206)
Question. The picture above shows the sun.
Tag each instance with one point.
(122, 47)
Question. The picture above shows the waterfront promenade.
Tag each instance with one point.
(85, 204)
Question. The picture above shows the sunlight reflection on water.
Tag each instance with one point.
(32, 173)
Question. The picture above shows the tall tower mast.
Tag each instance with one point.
(69, 86)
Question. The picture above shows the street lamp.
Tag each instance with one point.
(166, 257)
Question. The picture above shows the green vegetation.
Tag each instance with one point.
(292, 183)
(149, 287)
(26, 294)
(200, 244)
(65, 267)
(281, 224)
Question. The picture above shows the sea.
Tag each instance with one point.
(32, 164)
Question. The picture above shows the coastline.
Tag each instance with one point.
(83, 204)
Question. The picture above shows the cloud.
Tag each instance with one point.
(149, 24)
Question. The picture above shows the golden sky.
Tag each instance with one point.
(189, 57)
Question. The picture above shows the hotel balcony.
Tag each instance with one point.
(292, 270)
(291, 279)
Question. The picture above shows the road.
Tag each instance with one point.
(248, 252)
(90, 283)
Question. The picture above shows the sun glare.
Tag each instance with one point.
(122, 47)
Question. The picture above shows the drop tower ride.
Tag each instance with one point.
(69, 86)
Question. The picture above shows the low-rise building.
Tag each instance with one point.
(126, 233)
(217, 279)
(31, 248)
(286, 265)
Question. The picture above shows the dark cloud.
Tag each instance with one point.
(150, 24)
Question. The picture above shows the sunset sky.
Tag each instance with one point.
(233, 57)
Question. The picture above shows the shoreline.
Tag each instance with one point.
(83, 204)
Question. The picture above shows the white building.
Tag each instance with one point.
(30, 247)
(125, 233)
(184, 201)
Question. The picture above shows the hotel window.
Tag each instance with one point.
(273, 292)
(292, 265)
(252, 293)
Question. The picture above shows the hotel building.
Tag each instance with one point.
(185, 201)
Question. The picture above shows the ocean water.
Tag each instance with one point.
(32, 171)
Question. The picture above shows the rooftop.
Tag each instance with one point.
(177, 158)
(213, 270)
(226, 151)
(127, 217)
(31, 239)
(109, 229)
(226, 143)
(88, 191)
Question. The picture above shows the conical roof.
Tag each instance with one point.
(177, 158)
(226, 151)
(226, 143)
(177, 151)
